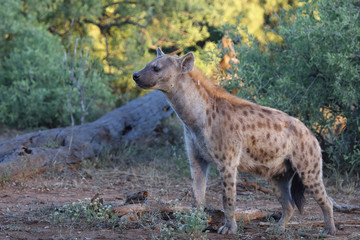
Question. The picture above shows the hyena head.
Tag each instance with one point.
(162, 72)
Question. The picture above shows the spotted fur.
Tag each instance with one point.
(239, 136)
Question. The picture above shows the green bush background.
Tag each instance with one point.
(312, 73)
(34, 82)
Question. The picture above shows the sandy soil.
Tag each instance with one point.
(26, 206)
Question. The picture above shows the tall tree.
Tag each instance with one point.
(125, 34)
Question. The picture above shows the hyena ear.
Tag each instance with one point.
(187, 62)
(159, 52)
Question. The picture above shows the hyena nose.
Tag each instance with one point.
(136, 76)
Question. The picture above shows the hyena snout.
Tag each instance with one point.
(136, 76)
(142, 82)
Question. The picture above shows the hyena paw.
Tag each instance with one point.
(228, 228)
(277, 229)
(329, 231)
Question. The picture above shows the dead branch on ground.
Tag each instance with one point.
(352, 223)
(344, 208)
(216, 216)
(247, 185)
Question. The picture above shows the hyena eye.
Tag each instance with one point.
(156, 68)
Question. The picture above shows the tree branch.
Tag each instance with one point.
(105, 27)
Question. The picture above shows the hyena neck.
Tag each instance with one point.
(189, 98)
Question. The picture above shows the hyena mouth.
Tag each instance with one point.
(144, 86)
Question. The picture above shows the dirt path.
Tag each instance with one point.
(26, 207)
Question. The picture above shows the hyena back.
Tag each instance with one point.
(238, 135)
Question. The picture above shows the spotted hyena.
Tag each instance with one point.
(238, 135)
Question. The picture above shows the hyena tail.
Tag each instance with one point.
(297, 192)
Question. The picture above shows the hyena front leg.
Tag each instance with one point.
(199, 169)
(228, 175)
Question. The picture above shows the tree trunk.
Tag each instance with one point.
(35, 152)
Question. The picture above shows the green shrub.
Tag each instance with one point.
(32, 84)
(34, 90)
(92, 213)
(187, 225)
(312, 74)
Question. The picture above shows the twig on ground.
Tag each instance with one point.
(344, 208)
(247, 185)
(352, 223)
(213, 185)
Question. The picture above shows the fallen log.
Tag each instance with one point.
(37, 151)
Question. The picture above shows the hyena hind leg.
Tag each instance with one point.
(316, 188)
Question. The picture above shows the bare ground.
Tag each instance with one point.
(27, 205)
